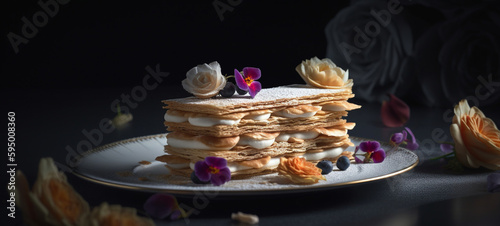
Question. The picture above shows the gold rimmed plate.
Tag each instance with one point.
(118, 165)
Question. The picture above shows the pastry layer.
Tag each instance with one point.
(277, 97)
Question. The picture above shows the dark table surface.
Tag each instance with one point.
(48, 121)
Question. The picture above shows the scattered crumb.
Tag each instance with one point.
(245, 218)
(143, 178)
(144, 162)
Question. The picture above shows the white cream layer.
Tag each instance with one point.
(259, 144)
(283, 137)
(274, 162)
(262, 117)
(208, 122)
(244, 140)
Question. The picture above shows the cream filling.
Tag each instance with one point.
(174, 118)
(259, 144)
(208, 122)
(192, 144)
(332, 107)
(283, 137)
(262, 117)
(274, 162)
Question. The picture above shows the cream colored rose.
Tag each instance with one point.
(323, 74)
(477, 138)
(52, 201)
(205, 80)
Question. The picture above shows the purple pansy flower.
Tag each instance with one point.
(161, 206)
(247, 80)
(399, 138)
(373, 152)
(213, 169)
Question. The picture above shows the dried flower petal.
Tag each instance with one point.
(395, 112)
(299, 171)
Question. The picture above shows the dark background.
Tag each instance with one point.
(109, 44)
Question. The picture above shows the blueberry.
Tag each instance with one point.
(343, 163)
(197, 180)
(228, 90)
(240, 91)
(325, 166)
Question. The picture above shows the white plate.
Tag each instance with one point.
(113, 165)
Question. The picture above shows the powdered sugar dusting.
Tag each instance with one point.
(275, 94)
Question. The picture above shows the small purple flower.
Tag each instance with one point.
(493, 182)
(446, 148)
(373, 152)
(213, 169)
(398, 138)
(369, 146)
(247, 81)
(402, 138)
(161, 206)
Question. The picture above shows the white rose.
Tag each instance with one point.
(323, 74)
(205, 80)
(477, 138)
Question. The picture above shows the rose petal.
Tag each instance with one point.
(254, 88)
(252, 72)
(493, 182)
(378, 156)
(395, 112)
(201, 170)
(446, 148)
(358, 160)
(159, 205)
(216, 162)
(369, 146)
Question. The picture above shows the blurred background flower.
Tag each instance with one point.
(459, 58)
(429, 52)
(373, 40)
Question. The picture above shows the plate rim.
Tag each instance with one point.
(269, 191)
